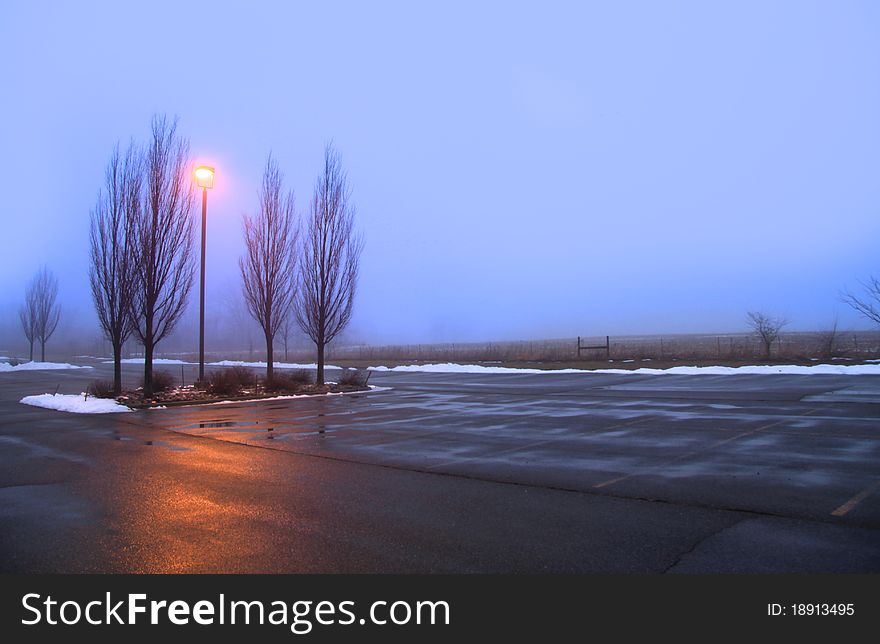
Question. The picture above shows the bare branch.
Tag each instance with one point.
(869, 304)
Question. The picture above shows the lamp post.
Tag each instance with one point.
(205, 180)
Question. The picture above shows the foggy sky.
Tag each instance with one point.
(520, 170)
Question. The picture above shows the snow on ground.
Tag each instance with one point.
(373, 389)
(77, 404)
(262, 365)
(862, 369)
(155, 361)
(31, 366)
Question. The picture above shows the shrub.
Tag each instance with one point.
(14, 362)
(354, 377)
(230, 381)
(289, 380)
(101, 389)
(162, 381)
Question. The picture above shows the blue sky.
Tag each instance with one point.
(521, 170)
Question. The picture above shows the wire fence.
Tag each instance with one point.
(731, 347)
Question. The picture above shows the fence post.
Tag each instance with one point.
(608, 347)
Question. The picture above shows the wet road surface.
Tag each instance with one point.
(453, 473)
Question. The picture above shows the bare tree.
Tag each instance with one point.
(27, 315)
(163, 234)
(330, 252)
(767, 328)
(41, 308)
(113, 263)
(267, 267)
(828, 341)
(869, 304)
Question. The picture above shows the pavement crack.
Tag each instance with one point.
(697, 544)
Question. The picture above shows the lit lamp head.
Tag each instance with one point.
(205, 176)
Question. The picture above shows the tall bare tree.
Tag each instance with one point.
(330, 251)
(267, 267)
(42, 303)
(163, 233)
(766, 327)
(869, 304)
(27, 315)
(113, 260)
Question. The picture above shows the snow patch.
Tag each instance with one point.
(33, 366)
(822, 369)
(77, 404)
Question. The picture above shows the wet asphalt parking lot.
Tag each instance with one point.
(452, 473)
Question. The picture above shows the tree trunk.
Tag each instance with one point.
(117, 368)
(148, 366)
(767, 349)
(32, 350)
(270, 357)
(319, 379)
(42, 351)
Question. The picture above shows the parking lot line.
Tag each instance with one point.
(858, 498)
(518, 448)
(680, 457)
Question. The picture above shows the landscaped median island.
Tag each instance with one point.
(231, 384)
(237, 383)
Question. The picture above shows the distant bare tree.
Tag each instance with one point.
(163, 233)
(113, 260)
(267, 267)
(767, 328)
(27, 315)
(330, 252)
(869, 304)
(828, 341)
(41, 308)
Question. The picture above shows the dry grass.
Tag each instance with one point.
(723, 348)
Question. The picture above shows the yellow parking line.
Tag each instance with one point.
(858, 498)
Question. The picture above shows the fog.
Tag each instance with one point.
(520, 170)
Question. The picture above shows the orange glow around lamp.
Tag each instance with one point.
(205, 180)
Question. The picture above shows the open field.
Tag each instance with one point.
(453, 473)
(731, 349)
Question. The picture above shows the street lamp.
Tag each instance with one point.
(205, 180)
